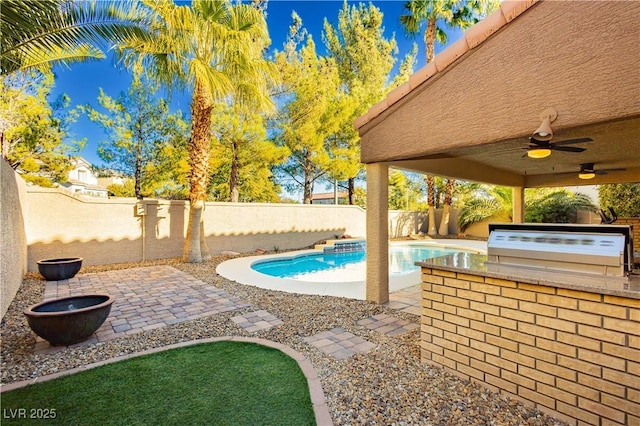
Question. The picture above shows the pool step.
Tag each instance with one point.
(347, 245)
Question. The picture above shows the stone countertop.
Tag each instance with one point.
(476, 264)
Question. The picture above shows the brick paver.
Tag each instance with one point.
(406, 300)
(339, 343)
(146, 298)
(256, 321)
(388, 324)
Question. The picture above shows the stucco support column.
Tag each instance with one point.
(518, 204)
(378, 233)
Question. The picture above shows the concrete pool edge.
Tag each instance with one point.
(239, 270)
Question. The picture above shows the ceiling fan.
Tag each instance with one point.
(588, 171)
(542, 149)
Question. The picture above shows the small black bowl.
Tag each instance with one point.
(59, 269)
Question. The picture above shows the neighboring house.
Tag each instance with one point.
(329, 198)
(114, 179)
(83, 181)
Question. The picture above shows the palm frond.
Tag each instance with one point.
(33, 30)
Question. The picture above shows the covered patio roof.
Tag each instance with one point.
(470, 113)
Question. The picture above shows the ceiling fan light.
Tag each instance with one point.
(586, 175)
(539, 153)
(544, 132)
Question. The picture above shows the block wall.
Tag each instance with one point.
(574, 355)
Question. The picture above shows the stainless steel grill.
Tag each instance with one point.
(601, 250)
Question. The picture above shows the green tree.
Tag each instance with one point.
(37, 33)
(624, 198)
(558, 206)
(125, 189)
(138, 125)
(364, 58)
(216, 49)
(33, 132)
(243, 156)
(306, 119)
(404, 191)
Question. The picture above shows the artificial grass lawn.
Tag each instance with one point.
(221, 383)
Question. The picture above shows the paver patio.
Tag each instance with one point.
(157, 296)
(146, 298)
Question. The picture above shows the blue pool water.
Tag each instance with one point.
(346, 266)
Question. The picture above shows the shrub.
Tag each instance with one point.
(558, 207)
(624, 198)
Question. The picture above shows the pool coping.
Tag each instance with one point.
(239, 270)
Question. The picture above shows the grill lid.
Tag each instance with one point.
(594, 250)
(558, 242)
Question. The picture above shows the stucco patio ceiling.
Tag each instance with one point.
(469, 114)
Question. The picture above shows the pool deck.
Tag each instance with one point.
(351, 285)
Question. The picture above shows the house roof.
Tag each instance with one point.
(86, 186)
(474, 36)
(469, 114)
(328, 195)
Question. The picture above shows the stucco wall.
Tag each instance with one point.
(13, 241)
(106, 231)
(403, 223)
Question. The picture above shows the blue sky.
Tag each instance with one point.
(81, 81)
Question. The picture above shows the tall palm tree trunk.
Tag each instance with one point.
(430, 39)
(431, 201)
(446, 213)
(195, 245)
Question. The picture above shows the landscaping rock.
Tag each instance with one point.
(384, 386)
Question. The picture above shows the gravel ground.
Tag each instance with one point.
(386, 386)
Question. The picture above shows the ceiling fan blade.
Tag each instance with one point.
(612, 170)
(572, 141)
(568, 148)
(600, 172)
(535, 143)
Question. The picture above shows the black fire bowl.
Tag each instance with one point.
(69, 320)
(59, 269)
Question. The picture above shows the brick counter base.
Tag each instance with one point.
(574, 355)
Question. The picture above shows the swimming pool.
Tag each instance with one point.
(320, 267)
(347, 276)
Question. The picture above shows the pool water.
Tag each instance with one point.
(335, 267)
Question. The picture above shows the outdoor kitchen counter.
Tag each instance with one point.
(476, 264)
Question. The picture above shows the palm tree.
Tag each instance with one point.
(37, 33)
(446, 213)
(215, 48)
(485, 202)
(430, 180)
(457, 14)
